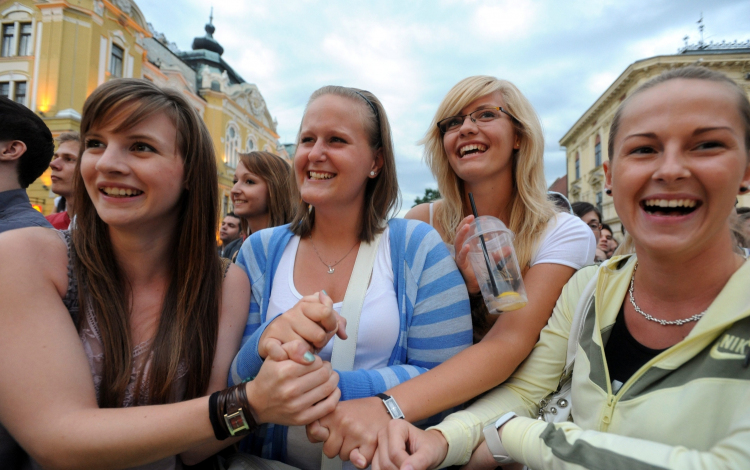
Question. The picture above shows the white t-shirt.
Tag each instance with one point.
(567, 241)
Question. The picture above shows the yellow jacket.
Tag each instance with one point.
(688, 408)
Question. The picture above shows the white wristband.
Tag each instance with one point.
(492, 438)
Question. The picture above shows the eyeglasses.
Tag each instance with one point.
(478, 117)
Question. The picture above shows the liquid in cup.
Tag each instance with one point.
(496, 269)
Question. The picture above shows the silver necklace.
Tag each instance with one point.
(330, 266)
(679, 322)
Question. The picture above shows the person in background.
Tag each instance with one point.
(593, 218)
(262, 192)
(662, 368)
(605, 241)
(63, 168)
(229, 234)
(26, 148)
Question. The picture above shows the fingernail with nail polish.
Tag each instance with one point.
(309, 356)
(324, 292)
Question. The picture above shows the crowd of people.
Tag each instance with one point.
(325, 333)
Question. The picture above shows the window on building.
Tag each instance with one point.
(578, 165)
(5, 89)
(20, 93)
(225, 206)
(598, 152)
(250, 144)
(115, 61)
(24, 42)
(232, 146)
(9, 32)
(599, 203)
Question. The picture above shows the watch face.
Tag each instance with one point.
(393, 408)
(236, 422)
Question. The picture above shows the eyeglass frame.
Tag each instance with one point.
(463, 117)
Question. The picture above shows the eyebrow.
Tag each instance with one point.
(703, 130)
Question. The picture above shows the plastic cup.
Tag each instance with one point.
(495, 265)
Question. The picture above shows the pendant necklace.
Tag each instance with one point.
(331, 266)
(678, 322)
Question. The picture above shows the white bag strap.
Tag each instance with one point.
(342, 356)
(576, 327)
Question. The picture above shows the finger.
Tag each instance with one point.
(316, 432)
(325, 299)
(356, 457)
(341, 333)
(462, 232)
(299, 351)
(310, 330)
(332, 446)
(319, 409)
(275, 351)
(383, 455)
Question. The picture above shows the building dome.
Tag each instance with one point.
(208, 42)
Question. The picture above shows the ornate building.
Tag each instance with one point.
(53, 54)
(586, 142)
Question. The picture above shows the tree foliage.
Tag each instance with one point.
(430, 195)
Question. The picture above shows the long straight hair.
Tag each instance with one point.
(278, 175)
(530, 210)
(188, 325)
(381, 192)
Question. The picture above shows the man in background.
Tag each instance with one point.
(607, 242)
(63, 168)
(229, 234)
(26, 148)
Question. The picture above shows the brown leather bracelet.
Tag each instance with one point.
(237, 414)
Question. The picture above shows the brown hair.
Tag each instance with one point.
(690, 72)
(68, 137)
(188, 325)
(381, 193)
(278, 175)
(530, 209)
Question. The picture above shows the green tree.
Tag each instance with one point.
(429, 196)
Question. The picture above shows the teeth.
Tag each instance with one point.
(468, 148)
(122, 192)
(315, 175)
(670, 203)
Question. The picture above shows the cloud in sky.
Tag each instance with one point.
(562, 55)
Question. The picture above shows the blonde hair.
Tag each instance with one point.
(530, 210)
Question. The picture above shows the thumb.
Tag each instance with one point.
(275, 351)
(298, 351)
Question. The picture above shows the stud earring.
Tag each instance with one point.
(608, 191)
(372, 173)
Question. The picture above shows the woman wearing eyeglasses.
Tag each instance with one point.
(486, 139)
(593, 218)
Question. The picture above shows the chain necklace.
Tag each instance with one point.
(330, 266)
(679, 322)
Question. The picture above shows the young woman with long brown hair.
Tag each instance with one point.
(156, 317)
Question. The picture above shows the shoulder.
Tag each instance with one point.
(567, 240)
(37, 252)
(419, 212)
(411, 234)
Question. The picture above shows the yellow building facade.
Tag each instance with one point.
(586, 142)
(53, 54)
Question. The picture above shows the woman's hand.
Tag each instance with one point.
(312, 320)
(351, 431)
(481, 459)
(289, 393)
(403, 445)
(462, 256)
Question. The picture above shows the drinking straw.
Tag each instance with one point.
(495, 290)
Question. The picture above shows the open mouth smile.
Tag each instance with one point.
(320, 175)
(120, 192)
(471, 149)
(670, 207)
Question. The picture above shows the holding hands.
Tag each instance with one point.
(402, 445)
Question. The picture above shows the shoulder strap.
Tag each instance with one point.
(431, 212)
(576, 328)
(342, 357)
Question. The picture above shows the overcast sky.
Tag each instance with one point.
(561, 54)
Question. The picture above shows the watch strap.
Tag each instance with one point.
(492, 438)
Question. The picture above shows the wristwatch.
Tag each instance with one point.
(391, 406)
(492, 438)
(235, 417)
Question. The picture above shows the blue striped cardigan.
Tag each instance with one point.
(435, 319)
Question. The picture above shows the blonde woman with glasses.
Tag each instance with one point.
(486, 139)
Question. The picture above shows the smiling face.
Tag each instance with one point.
(481, 150)
(63, 166)
(679, 160)
(249, 193)
(134, 177)
(334, 158)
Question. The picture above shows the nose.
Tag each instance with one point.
(469, 126)
(317, 153)
(112, 160)
(672, 165)
(56, 164)
(236, 188)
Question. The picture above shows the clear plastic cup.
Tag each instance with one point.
(495, 265)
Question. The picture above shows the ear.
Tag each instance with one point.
(11, 150)
(516, 142)
(745, 183)
(607, 167)
(377, 163)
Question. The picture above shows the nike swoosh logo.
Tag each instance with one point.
(721, 355)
